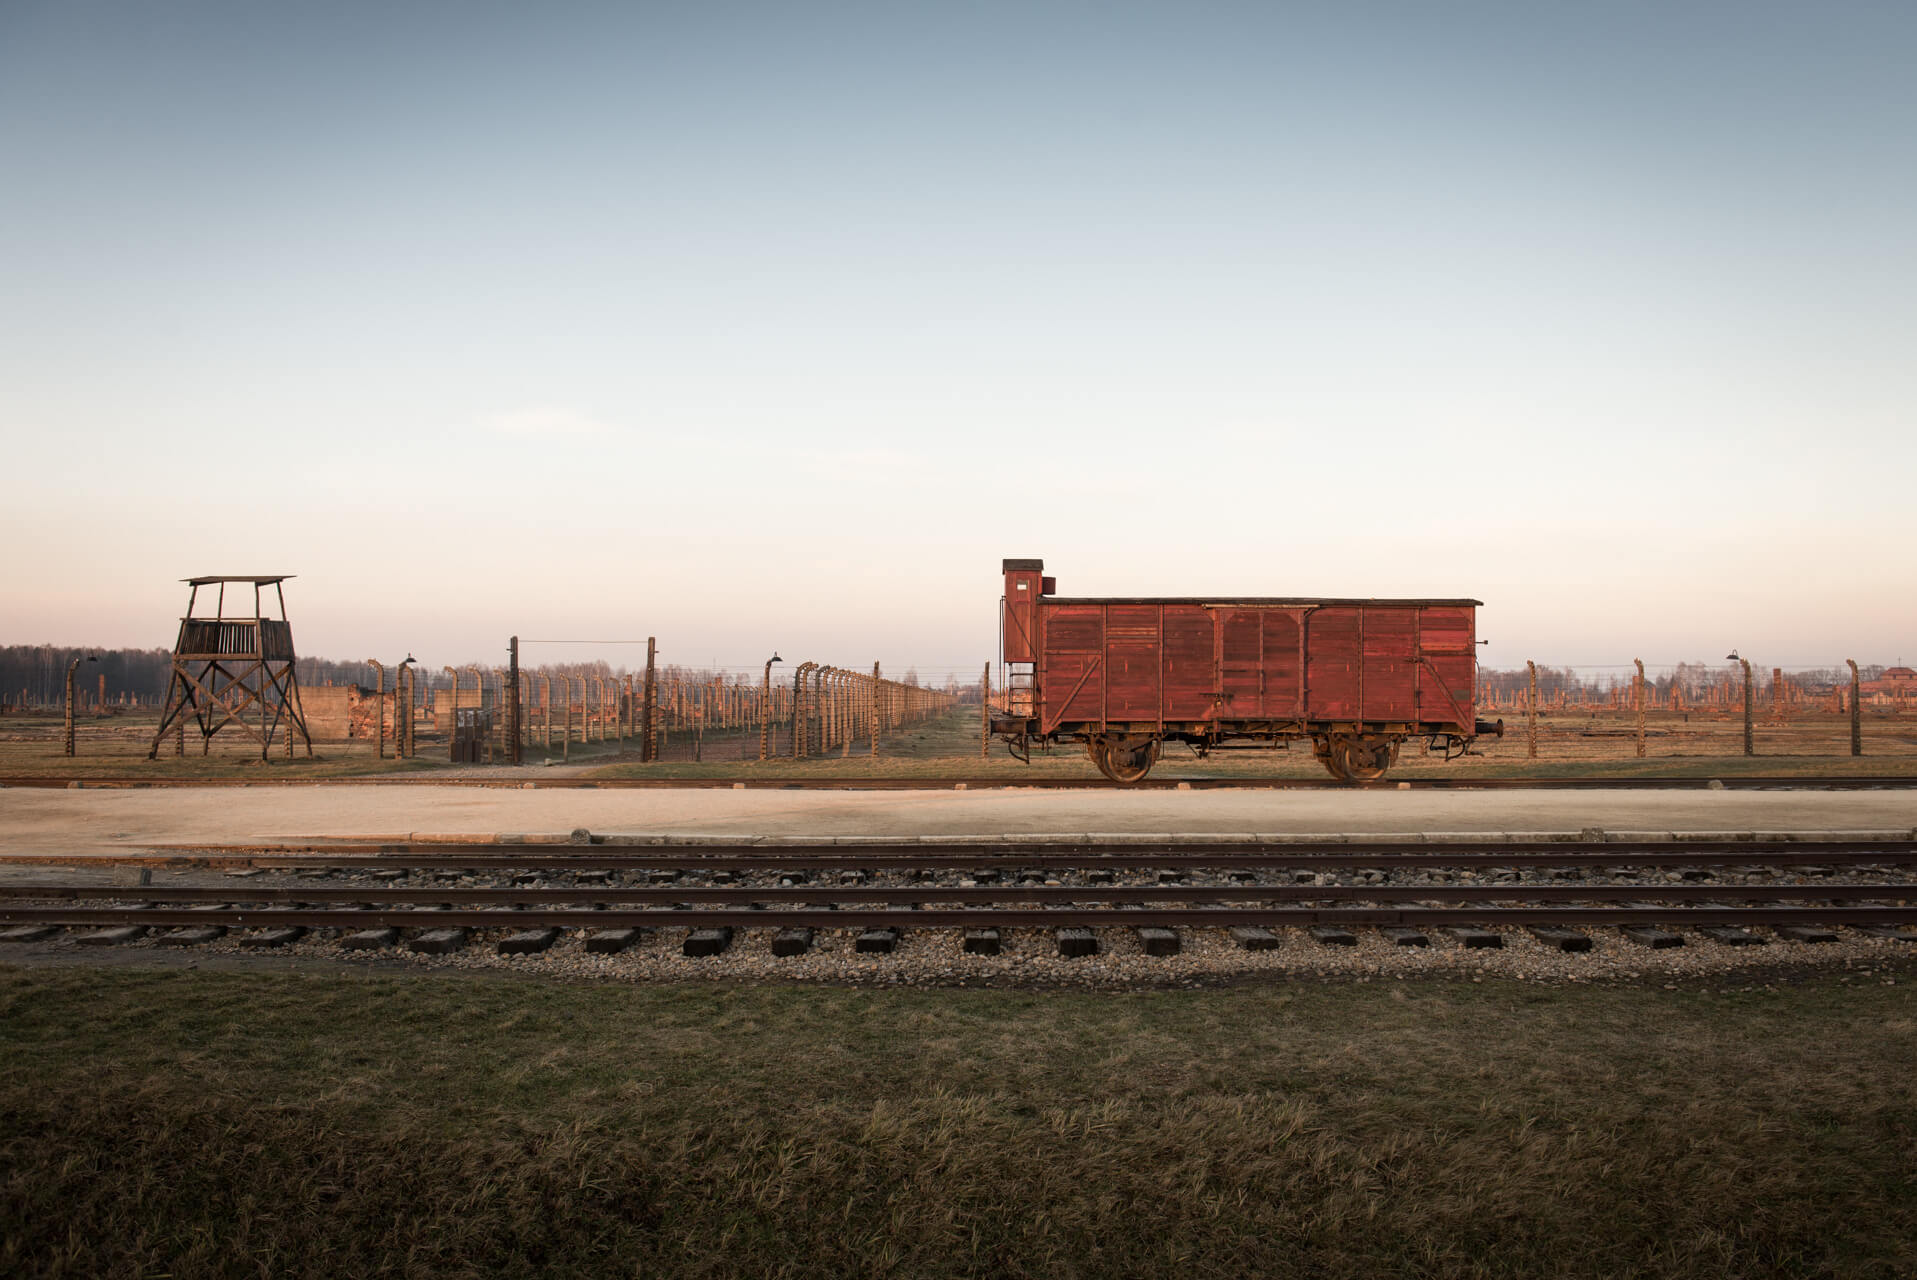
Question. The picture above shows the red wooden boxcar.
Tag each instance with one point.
(1124, 676)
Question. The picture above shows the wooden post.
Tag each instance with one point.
(1531, 713)
(877, 695)
(1856, 710)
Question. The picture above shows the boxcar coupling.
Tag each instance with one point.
(1358, 678)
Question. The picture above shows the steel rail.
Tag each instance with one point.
(1162, 783)
(520, 896)
(1062, 917)
(352, 855)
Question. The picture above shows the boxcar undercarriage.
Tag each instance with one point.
(1349, 753)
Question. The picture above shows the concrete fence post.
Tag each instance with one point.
(985, 713)
(1531, 713)
(1750, 736)
(649, 728)
(545, 705)
(379, 702)
(1856, 710)
(71, 667)
(1637, 697)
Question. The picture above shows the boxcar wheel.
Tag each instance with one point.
(1331, 757)
(1365, 759)
(1123, 761)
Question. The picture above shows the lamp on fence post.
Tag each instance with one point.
(1750, 746)
(800, 730)
(71, 668)
(1856, 710)
(765, 707)
(403, 729)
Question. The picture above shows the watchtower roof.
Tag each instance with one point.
(259, 581)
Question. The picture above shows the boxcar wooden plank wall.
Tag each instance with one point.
(1133, 664)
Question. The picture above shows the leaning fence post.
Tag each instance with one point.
(1637, 694)
(1531, 713)
(1856, 710)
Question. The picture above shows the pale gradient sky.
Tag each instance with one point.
(757, 325)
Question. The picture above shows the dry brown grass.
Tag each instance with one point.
(1571, 744)
(249, 1124)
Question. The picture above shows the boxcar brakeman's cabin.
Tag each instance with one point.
(1124, 676)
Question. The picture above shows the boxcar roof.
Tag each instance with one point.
(1248, 600)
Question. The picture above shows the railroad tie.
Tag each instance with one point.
(1403, 937)
(528, 942)
(1253, 937)
(191, 937)
(439, 942)
(370, 939)
(1472, 937)
(267, 939)
(29, 933)
(1806, 933)
(1889, 932)
(1158, 942)
(981, 942)
(877, 942)
(610, 942)
(792, 942)
(1563, 939)
(1649, 935)
(1730, 935)
(112, 937)
(1074, 943)
(707, 942)
(1332, 935)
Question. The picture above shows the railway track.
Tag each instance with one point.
(1556, 889)
(1000, 783)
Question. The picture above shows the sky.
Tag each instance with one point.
(776, 326)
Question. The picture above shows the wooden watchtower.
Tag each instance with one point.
(234, 669)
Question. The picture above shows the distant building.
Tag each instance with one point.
(1896, 683)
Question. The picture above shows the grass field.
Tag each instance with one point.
(198, 1123)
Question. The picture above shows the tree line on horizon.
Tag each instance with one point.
(35, 674)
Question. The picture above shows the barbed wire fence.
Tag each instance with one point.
(1688, 708)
